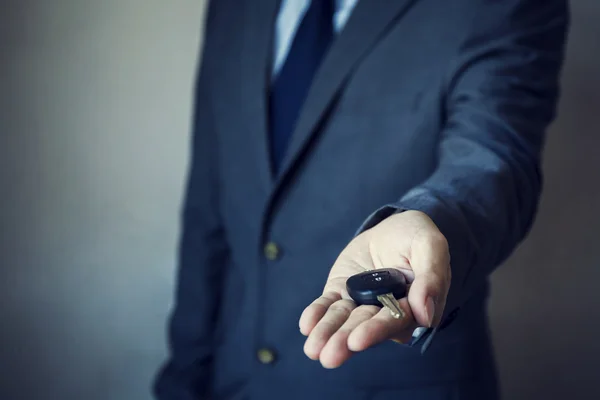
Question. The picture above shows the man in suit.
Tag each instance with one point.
(332, 137)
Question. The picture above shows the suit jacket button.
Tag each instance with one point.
(271, 251)
(266, 356)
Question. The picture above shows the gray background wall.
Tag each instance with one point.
(94, 118)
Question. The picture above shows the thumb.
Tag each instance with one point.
(430, 262)
(426, 298)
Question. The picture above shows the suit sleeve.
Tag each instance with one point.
(501, 96)
(203, 253)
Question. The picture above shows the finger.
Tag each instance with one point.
(316, 310)
(336, 350)
(430, 260)
(333, 319)
(427, 298)
(383, 326)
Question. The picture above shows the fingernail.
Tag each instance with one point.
(429, 311)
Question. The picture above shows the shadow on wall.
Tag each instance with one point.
(543, 319)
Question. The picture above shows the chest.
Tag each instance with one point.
(374, 132)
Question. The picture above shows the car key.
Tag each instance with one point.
(379, 287)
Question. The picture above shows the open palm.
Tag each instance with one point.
(410, 242)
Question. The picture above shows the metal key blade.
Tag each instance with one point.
(390, 302)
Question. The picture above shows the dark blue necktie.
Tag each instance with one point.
(290, 88)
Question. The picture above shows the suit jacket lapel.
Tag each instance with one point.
(255, 64)
(369, 21)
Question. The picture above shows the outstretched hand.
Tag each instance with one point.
(408, 241)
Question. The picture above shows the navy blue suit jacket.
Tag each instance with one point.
(434, 105)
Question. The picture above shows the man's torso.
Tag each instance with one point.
(368, 134)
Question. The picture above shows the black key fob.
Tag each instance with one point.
(366, 287)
